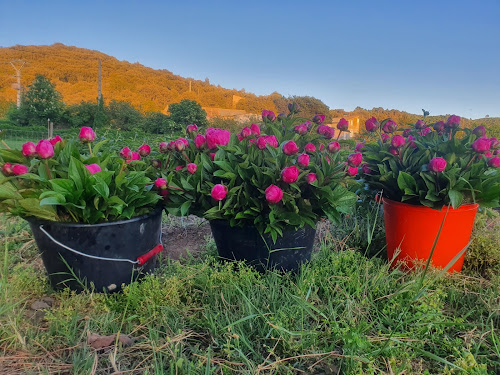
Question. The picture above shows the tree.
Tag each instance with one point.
(158, 123)
(100, 117)
(188, 112)
(123, 116)
(41, 102)
(309, 106)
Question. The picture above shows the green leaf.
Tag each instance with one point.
(456, 198)
(407, 183)
(185, 208)
(8, 191)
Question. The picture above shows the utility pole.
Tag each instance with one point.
(189, 85)
(18, 76)
(99, 83)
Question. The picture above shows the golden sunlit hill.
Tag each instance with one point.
(74, 71)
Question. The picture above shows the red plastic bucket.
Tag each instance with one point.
(413, 229)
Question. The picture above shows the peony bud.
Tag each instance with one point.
(494, 143)
(281, 116)
(180, 144)
(343, 125)
(19, 169)
(293, 107)
(87, 135)
(318, 119)
(479, 131)
(29, 149)
(425, 131)
(437, 165)
(290, 148)
(268, 115)
(301, 129)
(144, 150)
(310, 148)
(452, 122)
(125, 153)
(255, 129)
(359, 147)
(419, 125)
(200, 141)
(161, 183)
(190, 129)
(274, 194)
(191, 168)
(163, 147)
(439, 127)
(397, 141)
(311, 177)
(55, 140)
(156, 163)
(135, 156)
(355, 159)
(390, 126)
(481, 145)
(365, 168)
(290, 174)
(333, 147)
(371, 124)
(7, 170)
(303, 160)
(494, 162)
(93, 168)
(179, 168)
(246, 132)
(219, 192)
(411, 142)
(406, 132)
(171, 146)
(352, 171)
(394, 151)
(385, 137)
(44, 149)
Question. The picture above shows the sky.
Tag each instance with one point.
(440, 55)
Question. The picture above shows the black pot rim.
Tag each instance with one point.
(155, 211)
(253, 226)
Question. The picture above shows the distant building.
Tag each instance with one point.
(354, 129)
(239, 115)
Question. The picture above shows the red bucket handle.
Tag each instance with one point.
(144, 258)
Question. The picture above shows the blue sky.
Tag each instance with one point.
(443, 56)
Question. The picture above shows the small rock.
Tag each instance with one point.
(100, 342)
(49, 301)
(40, 305)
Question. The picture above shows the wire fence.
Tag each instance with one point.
(14, 138)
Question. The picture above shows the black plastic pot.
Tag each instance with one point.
(127, 239)
(246, 244)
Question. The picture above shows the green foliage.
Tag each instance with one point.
(187, 112)
(41, 102)
(123, 116)
(309, 106)
(158, 123)
(405, 177)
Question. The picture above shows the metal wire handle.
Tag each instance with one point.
(88, 255)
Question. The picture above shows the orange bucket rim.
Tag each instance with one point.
(463, 207)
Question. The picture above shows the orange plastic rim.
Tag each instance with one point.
(412, 230)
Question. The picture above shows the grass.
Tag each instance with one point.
(341, 314)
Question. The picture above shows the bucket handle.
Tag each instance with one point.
(140, 260)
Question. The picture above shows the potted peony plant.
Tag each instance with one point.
(431, 175)
(263, 190)
(94, 215)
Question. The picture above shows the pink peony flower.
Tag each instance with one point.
(371, 124)
(439, 127)
(310, 148)
(219, 192)
(311, 177)
(419, 125)
(268, 115)
(7, 170)
(303, 160)
(385, 137)
(290, 174)
(425, 131)
(290, 148)
(326, 131)
(55, 140)
(179, 168)
(255, 129)
(135, 156)
(397, 141)
(180, 145)
(318, 119)
(479, 131)
(352, 171)
(125, 153)
(274, 194)
(93, 168)
(390, 126)
(365, 168)
(161, 183)
(301, 129)
(144, 150)
(191, 168)
(200, 141)
(190, 129)
(354, 160)
(359, 147)
(87, 135)
(494, 162)
(29, 149)
(481, 145)
(394, 151)
(494, 143)
(452, 122)
(44, 149)
(406, 132)
(19, 169)
(437, 164)
(171, 146)
(246, 132)
(333, 147)
(265, 140)
(217, 137)
(163, 147)
(343, 125)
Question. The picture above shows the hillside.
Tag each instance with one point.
(74, 71)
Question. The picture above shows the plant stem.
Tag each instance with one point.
(185, 155)
(6, 145)
(48, 169)
(470, 161)
(90, 149)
